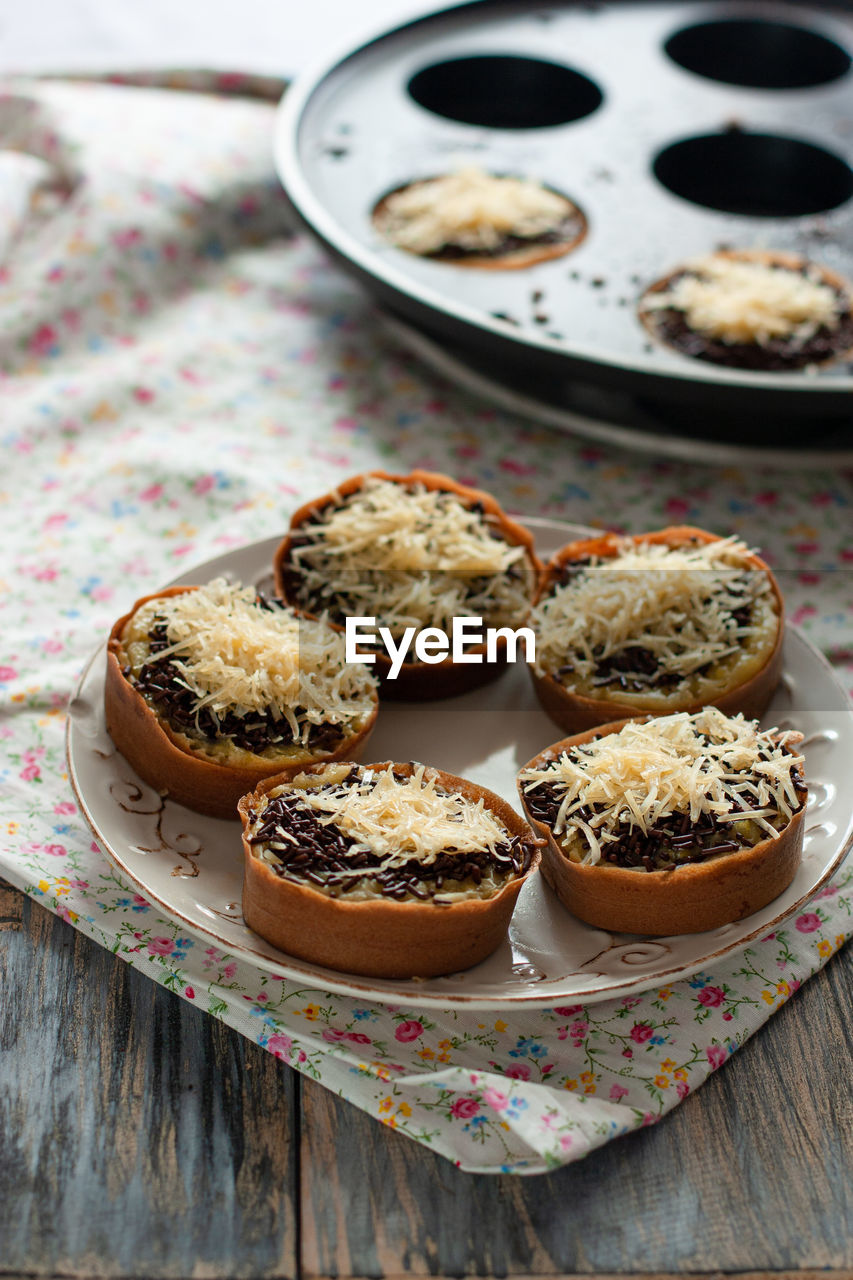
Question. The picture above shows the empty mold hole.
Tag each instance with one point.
(756, 174)
(500, 91)
(758, 54)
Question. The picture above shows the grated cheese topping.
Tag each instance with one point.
(677, 603)
(399, 819)
(740, 300)
(472, 209)
(411, 556)
(237, 656)
(403, 818)
(706, 763)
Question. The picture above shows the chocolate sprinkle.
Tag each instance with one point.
(673, 841)
(319, 853)
(775, 355)
(635, 669)
(338, 605)
(162, 685)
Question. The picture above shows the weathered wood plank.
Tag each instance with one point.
(138, 1137)
(660, 1275)
(755, 1171)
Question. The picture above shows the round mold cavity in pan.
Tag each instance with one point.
(504, 91)
(757, 53)
(759, 175)
(349, 132)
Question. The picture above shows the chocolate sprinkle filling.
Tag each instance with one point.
(775, 355)
(323, 855)
(673, 841)
(635, 669)
(162, 685)
(338, 605)
(570, 228)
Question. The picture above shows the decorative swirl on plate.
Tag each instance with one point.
(133, 798)
(233, 911)
(723, 930)
(634, 955)
(85, 716)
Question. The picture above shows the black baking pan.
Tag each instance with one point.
(676, 128)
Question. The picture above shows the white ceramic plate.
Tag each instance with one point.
(191, 865)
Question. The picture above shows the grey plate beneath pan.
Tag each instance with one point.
(191, 865)
(350, 132)
(614, 419)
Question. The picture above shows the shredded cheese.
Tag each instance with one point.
(742, 300)
(399, 821)
(411, 556)
(704, 763)
(675, 602)
(234, 655)
(405, 819)
(470, 209)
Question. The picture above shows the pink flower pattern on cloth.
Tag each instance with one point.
(177, 374)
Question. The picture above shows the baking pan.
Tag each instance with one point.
(613, 418)
(626, 107)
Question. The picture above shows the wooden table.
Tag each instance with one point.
(140, 1138)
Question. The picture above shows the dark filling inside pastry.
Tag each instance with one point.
(161, 683)
(674, 840)
(338, 603)
(773, 355)
(636, 669)
(322, 855)
(564, 232)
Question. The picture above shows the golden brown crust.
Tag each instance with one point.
(575, 712)
(380, 938)
(156, 754)
(689, 899)
(418, 681)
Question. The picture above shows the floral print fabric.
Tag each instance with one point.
(177, 374)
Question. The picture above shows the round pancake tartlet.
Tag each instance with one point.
(210, 689)
(659, 622)
(755, 310)
(476, 219)
(413, 551)
(386, 870)
(670, 825)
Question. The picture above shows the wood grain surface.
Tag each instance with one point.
(140, 1138)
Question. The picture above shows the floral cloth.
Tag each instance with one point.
(177, 374)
